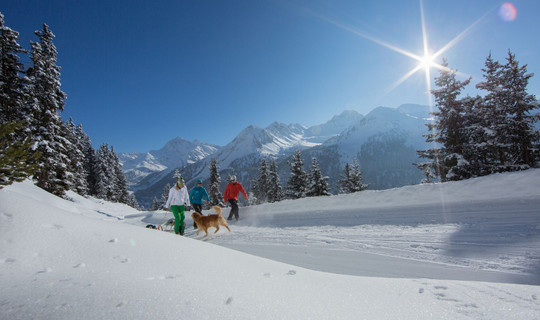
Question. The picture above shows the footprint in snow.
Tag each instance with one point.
(291, 272)
(47, 270)
(229, 300)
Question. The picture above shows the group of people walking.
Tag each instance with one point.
(179, 200)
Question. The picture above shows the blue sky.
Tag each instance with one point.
(140, 73)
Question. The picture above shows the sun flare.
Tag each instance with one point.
(426, 62)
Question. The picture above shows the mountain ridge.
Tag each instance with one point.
(389, 133)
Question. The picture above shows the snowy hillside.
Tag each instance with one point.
(88, 259)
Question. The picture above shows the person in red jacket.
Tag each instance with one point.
(231, 195)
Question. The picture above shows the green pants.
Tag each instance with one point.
(178, 212)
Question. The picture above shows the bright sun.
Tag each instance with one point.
(426, 61)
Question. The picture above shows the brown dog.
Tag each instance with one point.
(209, 221)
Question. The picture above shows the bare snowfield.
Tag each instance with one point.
(460, 250)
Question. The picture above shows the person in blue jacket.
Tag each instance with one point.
(196, 197)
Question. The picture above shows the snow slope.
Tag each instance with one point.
(88, 259)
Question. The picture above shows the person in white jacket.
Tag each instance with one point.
(177, 202)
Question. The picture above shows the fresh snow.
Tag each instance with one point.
(459, 250)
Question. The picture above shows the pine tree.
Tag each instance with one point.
(275, 190)
(12, 81)
(447, 132)
(260, 186)
(177, 175)
(317, 183)
(104, 171)
(16, 158)
(216, 198)
(89, 158)
(121, 193)
(75, 153)
(155, 205)
(297, 184)
(521, 136)
(488, 136)
(164, 195)
(356, 180)
(46, 101)
(352, 180)
(505, 138)
(345, 181)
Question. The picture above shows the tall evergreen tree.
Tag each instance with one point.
(47, 99)
(352, 180)
(75, 147)
(297, 184)
(89, 158)
(356, 181)
(260, 186)
(12, 81)
(155, 205)
(447, 132)
(317, 183)
(16, 158)
(121, 193)
(345, 181)
(164, 195)
(522, 137)
(275, 190)
(104, 171)
(216, 198)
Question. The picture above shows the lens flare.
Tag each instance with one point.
(508, 12)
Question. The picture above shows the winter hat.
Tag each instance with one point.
(199, 181)
(233, 178)
(180, 181)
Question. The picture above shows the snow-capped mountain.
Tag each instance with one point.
(406, 121)
(176, 153)
(335, 126)
(392, 136)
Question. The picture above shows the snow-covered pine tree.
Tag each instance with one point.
(297, 183)
(260, 185)
(317, 183)
(177, 175)
(121, 193)
(275, 190)
(89, 158)
(132, 201)
(12, 81)
(75, 153)
(522, 138)
(345, 181)
(155, 205)
(104, 171)
(352, 180)
(488, 118)
(447, 132)
(16, 158)
(356, 181)
(47, 99)
(216, 198)
(164, 195)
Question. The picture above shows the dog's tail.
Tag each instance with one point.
(217, 209)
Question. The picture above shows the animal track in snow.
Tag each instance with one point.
(121, 259)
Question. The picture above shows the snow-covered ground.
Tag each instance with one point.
(461, 250)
